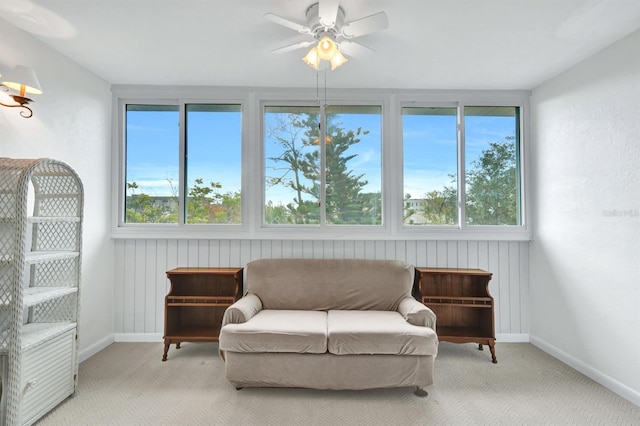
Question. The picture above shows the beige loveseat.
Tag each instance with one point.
(329, 324)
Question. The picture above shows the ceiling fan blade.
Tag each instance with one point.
(293, 47)
(328, 12)
(356, 50)
(287, 23)
(367, 25)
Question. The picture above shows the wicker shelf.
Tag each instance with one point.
(35, 334)
(33, 296)
(37, 295)
(53, 219)
(47, 256)
(40, 262)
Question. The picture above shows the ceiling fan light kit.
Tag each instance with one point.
(326, 50)
(325, 24)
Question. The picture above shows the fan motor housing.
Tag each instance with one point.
(313, 21)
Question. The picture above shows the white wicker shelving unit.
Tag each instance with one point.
(41, 204)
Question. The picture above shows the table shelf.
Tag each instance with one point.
(461, 301)
(196, 303)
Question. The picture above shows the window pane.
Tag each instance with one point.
(151, 164)
(354, 165)
(292, 165)
(492, 165)
(213, 164)
(430, 149)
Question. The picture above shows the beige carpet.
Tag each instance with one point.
(127, 384)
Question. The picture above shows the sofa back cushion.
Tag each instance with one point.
(326, 284)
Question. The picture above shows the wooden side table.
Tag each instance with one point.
(461, 301)
(196, 302)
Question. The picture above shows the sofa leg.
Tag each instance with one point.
(238, 387)
(420, 392)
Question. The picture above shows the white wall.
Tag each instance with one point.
(71, 123)
(585, 255)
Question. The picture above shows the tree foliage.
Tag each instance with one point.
(492, 195)
(491, 186)
(298, 166)
(205, 204)
(491, 191)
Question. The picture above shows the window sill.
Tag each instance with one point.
(233, 232)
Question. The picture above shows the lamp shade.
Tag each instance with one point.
(24, 80)
(312, 58)
(337, 60)
(326, 48)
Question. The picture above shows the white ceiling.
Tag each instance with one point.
(431, 44)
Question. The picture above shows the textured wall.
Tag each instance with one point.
(585, 254)
(71, 123)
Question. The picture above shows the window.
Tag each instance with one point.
(245, 163)
(151, 170)
(430, 148)
(323, 166)
(213, 164)
(431, 163)
(208, 190)
(492, 171)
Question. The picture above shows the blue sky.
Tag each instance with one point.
(430, 149)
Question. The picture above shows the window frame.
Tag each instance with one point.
(323, 228)
(462, 225)
(252, 101)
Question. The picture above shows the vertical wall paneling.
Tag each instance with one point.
(128, 281)
(153, 280)
(141, 266)
(118, 279)
(161, 284)
(523, 278)
(139, 284)
(514, 292)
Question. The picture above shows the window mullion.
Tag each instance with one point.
(461, 170)
(323, 165)
(182, 170)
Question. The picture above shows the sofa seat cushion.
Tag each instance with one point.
(378, 332)
(277, 331)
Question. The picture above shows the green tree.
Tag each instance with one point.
(492, 195)
(294, 168)
(298, 167)
(346, 204)
(205, 204)
(441, 207)
(275, 214)
(141, 208)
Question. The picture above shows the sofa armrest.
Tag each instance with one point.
(416, 313)
(242, 310)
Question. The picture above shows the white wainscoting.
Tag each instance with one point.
(141, 282)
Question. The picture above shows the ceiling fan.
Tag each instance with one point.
(330, 35)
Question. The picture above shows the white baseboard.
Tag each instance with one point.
(138, 337)
(87, 353)
(157, 337)
(512, 338)
(613, 385)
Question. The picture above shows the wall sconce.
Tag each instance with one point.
(23, 80)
